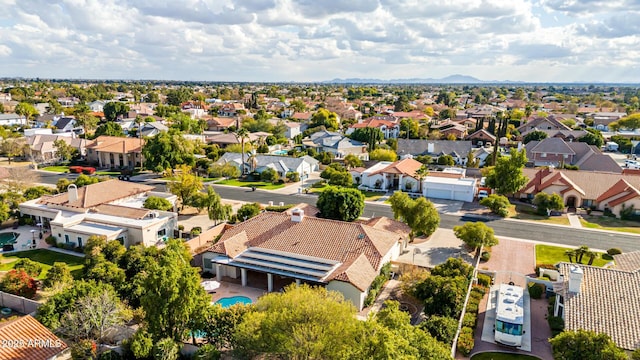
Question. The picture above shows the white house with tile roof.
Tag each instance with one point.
(343, 256)
(112, 208)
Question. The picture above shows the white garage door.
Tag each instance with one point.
(462, 196)
(439, 193)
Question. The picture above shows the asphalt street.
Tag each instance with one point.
(562, 235)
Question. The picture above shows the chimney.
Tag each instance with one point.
(73, 193)
(575, 279)
(430, 148)
(297, 215)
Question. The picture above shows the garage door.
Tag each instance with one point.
(439, 193)
(462, 196)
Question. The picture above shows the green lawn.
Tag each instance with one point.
(502, 356)
(59, 169)
(527, 212)
(46, 258)
(257, 184)
(368, 195)
(609, 223)
(546, 254)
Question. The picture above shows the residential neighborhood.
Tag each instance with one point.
(479, 225)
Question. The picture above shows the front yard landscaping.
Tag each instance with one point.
(258, 184)
(502, 356)
(546, 254)
(609, 223)
(528, 212)
(58, 169)
(45, 258)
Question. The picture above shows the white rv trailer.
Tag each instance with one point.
(510, 315)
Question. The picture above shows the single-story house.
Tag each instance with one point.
(12, 119)
(282, 164)
(42, 146)
(386, 175)
(602, 191)
(435, 148)
(66, 124)
(337, 144)
(110, 208)
(603, 300)
(295, 247)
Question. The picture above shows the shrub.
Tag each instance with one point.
(536, 290)
(442, 328)
(75, 169)
(248, 211)
(181, 227)
(293, 176)
(269, 175)
(18, 282)
(556, 323)
(484, 280)
(88, 170)
(51, 240)
(465, 341)
(140, 345)
(84, 349)
(157, 203)
(472, 307)
(485, 256)
(319, 184)
(109, 355)
(635, 355)
(498, 204)
(166, 349)
(278, 208)
(207, 352)
(478, 290)
(29, 266)
(614, 251)
(196, 230)
(469, 320)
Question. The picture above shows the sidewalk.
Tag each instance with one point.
(574, 220)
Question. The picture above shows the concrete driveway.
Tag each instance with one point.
(440, 246)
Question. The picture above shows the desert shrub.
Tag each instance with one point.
(465, 341)
(485, 256)
(614, 251)
(484, 280)
(536, 290)
(18, 282)
(469, 320)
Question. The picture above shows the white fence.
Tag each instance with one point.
(18, 303)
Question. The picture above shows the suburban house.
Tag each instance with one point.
(12, 119)
(603, 191)
(390, 176)
(450, 127)
(281, 164)
(42, 146)
(66, 124)
(449, 184)
(435, 148)
(541, 124)
(603, 300)
(301, 116)
(222, 124)
(97, 105)
(481, 137)
(297, 247)
(601, 120)
(556, 152)
(150, 129)
(224, 139)
(110, 208)
(388, 128)
(337, 144)
(36, 342)
(231, 109)
(113, 152)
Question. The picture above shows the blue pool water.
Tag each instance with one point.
(280, 152)
(230, 301)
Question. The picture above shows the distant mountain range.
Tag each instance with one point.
(451, 79)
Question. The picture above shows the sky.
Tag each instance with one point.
(315, 40)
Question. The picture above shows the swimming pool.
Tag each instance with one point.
(230, 301)
(7, 238)
(280, 152)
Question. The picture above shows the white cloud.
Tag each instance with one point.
(310, 40)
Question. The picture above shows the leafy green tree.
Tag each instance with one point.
(341, 178)
(64, 150)
(173, 295)
(383, 155)
(475, 234)
(446, 160)
(585, 345)
(630, 122)
(536, 135)
(247, 211)
(420, 214)
(352, 161)
(442, 295)
(593, 137)
(242, 134)
(167, 150)
(35, 192)
(29, 266)
(506, 176)
(453, 267)
(326, 118)
(215, 209)
(369, 135)
(27, 110)
(58, 277)
(185, 186)
(441, 327)
(227, 170)
(13, 148)
(402, 104)
(409, 125)
(5, 212)
(157, 203)
(175, 97)
(345, 204)
(140, 344)
(498, 204)
(113, 109)
(109, 129)
(87, 122)
(166, 349)
(301, 323)
(547, 202)
(186, 124)
(219, 324)
(269, 175)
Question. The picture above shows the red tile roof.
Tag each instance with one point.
(405, 166)
(97, 194)
(28, 339)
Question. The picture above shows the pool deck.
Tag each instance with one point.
(25, 239)
(228, 289)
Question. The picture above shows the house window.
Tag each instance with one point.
(162, 233)
(79, 241)
(543, 155)
(66, 238)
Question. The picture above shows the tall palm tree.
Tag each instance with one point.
(421, 174)
(570, 254)
(139, 121)
(242, 134)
